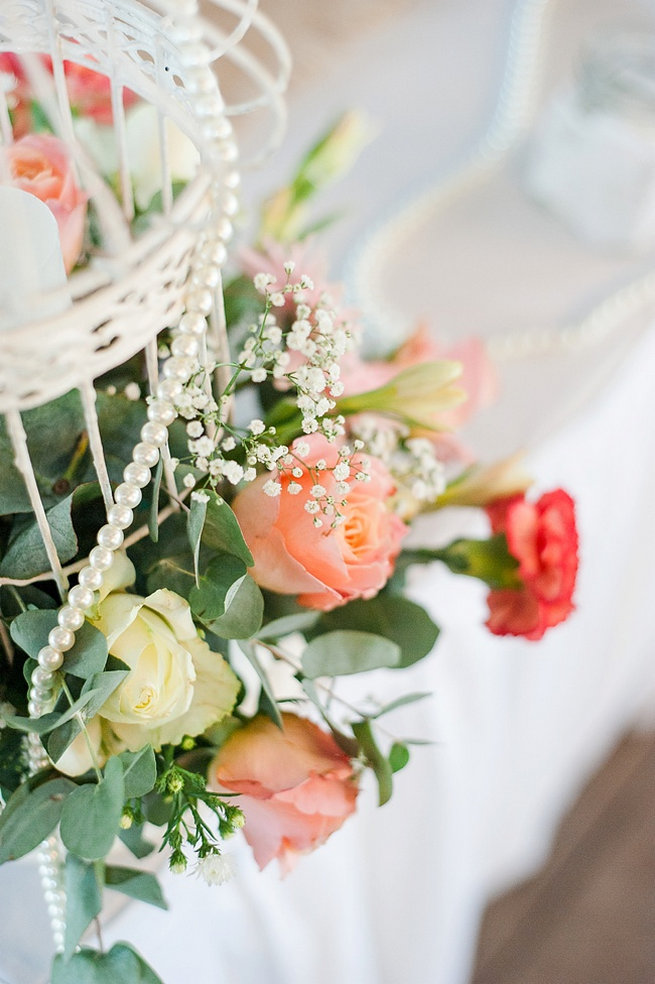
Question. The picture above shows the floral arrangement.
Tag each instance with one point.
(304, 469)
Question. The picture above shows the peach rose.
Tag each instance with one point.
(325, 567)
(296, 786)
(39, 164)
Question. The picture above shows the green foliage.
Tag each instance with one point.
(398, 756)
(139, 772)
(91, 814)
(43, 804)
(217, 588)
(195, 524)
(26, 555)
(136, 884)
(222, 531)
(153, 525)
(374, 758)
(348, 651)
(87, 966)
(269, 705)
(243, 614)
(488, 560)
(83, 900)
(396, 618)
(135, 842)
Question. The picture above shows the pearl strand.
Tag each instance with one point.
(187, 346)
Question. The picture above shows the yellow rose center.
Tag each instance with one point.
(146, 697)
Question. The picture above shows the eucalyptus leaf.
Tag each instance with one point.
(88, 656)
(139, 772)
(243, 613)
(344, 652)
(122, 964)
(217, 587)
(195, 524)
(31, 815)
(401, 702)
(284, 626)
(135, 841)
(26, 554)
(174, 572)
(136, 884)
(270, 707)
(375, 759)
(392, 616)
(83, 900)
(91, 814)
(153, 524)
(222, 531)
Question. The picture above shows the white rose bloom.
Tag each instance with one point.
(176, 686)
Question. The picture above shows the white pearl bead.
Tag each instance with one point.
(208, 106)
(224, 128)
(41, 676)
(153, 433)
(41, 695)
(61, 638)
(179, 368)
(195, 54)
(110, 537)
(199, 299)
(199, 79)
(81, 596)
(70, 617)
(120, 516)
(101, 558)
(161, 411)
(34, 708)
(207, 276)
(185, 345)
(228, 151)
(191, 323)
(232, 180)
(214, 253)
(146, 454)
(49, 658)
(136, 474)
(90, 578)
(230, 204)
(225, 229)
(128, 494)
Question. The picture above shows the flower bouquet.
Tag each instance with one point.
(301, 469)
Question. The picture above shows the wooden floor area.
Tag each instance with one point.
(589, 916)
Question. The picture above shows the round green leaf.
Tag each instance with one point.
(91, 814)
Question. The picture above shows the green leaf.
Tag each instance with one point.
(172, 572)
(287, 624)
(91, 814)
(217, 587)
(270, 707)
(343, 652)
(26, 555)
(153, 525)
(94, 693)
(400, 702)
(398, 756)
(222, 531)
(135, 841)
(195, 524)
(31, 815)
(347, 744)
(243, 613)
(139, 772)
(88, 656)
(375, 759)
(30, 630)
(122, 964)
(392, 616)
(83, 900)
(137, 884)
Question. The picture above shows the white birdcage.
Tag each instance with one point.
(138, 283)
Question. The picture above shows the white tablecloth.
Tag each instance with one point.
(397, 894)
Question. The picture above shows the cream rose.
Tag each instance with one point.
(176, 685)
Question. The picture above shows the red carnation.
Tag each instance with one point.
(543, 537)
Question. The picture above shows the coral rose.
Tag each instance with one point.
(543, 537)
(325, 567)
(39, 164)
(296, 786)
